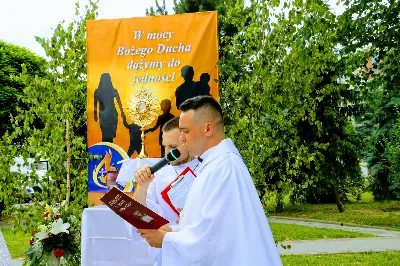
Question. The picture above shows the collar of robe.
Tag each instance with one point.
(225, 146)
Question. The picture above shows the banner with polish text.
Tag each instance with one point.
(174, 56)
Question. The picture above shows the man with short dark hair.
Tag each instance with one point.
(223, 221)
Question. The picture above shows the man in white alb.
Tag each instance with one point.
(223, 222)
(149, 187)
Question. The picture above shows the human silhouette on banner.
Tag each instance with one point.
(161, 120)
(135, 141)
(190, 88)
(202, 87)
(187, 89)
(104, 95)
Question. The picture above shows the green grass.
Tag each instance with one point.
(286, 232)
(365, 197)
(17, 242)
(384, 214)
(391, 258)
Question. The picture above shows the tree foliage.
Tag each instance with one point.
(370, 35)
(291, 113)
(11, 90)
(393, 151)
(285, 106)
(58, 101)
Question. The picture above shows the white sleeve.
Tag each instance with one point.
(136, 238)
(152, 199)
(174, 227)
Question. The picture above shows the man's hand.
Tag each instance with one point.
(153, 237)
(143, 176)
(165, 228)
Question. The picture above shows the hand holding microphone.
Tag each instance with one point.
(145, 174)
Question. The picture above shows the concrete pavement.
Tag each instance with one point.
(386, 239)
(320, 224)
(330, 246)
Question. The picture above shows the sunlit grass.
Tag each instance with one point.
(365, 212)
(391, 258)
(17, 242)
(286, 232)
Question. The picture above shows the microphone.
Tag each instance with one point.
(173, 155)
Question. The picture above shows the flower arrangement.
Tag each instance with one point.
(56, 240)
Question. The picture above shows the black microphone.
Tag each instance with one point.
(173, 155)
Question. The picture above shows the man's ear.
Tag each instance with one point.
(209, 129)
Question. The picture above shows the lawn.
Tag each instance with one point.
(18, 243)
(286, 232)
(383, 214)
(391, 258)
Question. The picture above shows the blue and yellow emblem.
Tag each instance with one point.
(109, 154)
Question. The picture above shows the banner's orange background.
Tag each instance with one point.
(106, 37)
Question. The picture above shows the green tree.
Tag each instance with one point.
(11, 59)
(370, 34)
(393, 150)
(55, 99)
(159, 10)
(284, 106)
(292, 114)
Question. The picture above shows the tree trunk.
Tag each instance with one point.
(338, 202)
(279, 202)
(68, 143)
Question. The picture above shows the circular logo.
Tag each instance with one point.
(103, 155)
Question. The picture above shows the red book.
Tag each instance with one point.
(132, 211)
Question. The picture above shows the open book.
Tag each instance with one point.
(132, 211)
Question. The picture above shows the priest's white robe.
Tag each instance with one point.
(156, 203)
(223, 222)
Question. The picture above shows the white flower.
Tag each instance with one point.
(42, 235)
(59, 227)
(42, 228)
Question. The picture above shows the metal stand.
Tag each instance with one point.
(142, 153)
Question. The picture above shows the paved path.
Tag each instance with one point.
(17, 262)
(341, 245)
(321, 224)
(386, 240)
(5, 225)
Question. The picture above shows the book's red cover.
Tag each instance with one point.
(132, 211)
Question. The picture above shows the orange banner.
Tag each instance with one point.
(175, 57)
